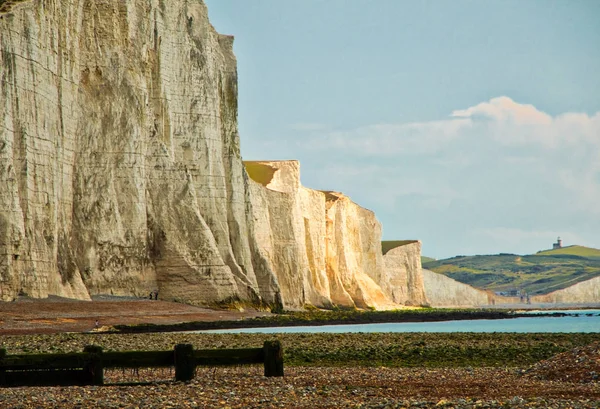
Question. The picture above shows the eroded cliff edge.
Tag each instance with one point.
(121, 173)
(324, 248)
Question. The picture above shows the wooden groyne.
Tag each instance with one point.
(87, 367)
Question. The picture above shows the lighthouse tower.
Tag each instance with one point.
(557, 245)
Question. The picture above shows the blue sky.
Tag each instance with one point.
(471, 125)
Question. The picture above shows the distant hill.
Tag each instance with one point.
(425, 259)
(573, 251)
(537, 274)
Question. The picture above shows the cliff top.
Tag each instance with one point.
(260, 172)
(581, 251)
(392, 244)
(277, 175)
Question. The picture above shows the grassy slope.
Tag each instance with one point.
(573, 251)
(539, 273)
(259, 172)
(392, 244)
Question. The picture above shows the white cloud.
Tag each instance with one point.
(500, 120)
(500, 172)
(504, 109)
(497, 137)
(511, 123)
(573, 128)
(393, 139)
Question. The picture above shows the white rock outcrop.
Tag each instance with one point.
(403, 276)
(120, 168)
(324, 249)
(442, 291)
(121, 173)
(585, 292)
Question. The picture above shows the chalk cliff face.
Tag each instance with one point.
(403, 277)
(442, 291)
(324, 249)
(121, 173)
(584, 292)
(120, 168)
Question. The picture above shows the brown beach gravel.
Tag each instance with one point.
(567, 380)
(315, 387)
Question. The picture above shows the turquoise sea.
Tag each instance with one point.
(574, 321)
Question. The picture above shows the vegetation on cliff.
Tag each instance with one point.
(425, 259)
(260, 172)
(581, 251)
(392, 244)
(540, 273)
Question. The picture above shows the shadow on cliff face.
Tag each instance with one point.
(7, 5)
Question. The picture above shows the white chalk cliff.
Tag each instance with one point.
(442, 291)
(325, 249)
(121, 173)
(403, 276)
(584, 292)
(120, 168)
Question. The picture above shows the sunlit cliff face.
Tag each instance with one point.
(120, 167)
(121, 173)
(327, 245)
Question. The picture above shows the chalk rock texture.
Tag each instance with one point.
(442, 291)
(121, 173)
(403, 277)
(584, 292)
(324, 249)
(120, 167)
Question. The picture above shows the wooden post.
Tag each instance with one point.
(2, 371)
(94, 369)
(185, 364)
(273, 358)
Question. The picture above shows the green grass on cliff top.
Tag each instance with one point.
(392, 244)
(260, 172)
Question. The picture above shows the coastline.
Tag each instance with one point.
(401, 370)
(131, 315)
(321, 318)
